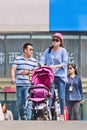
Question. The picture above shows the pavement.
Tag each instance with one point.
(43, 125)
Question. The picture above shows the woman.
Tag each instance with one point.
(56, 58)
(7, 113)
(1, 114)
(74, 95)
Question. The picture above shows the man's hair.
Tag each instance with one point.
(26, 45)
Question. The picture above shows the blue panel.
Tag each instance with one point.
(68, 15)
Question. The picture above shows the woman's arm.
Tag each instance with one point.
(64, 59)
(43, 58)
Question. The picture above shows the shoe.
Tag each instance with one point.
(61, 117)
(58, 118)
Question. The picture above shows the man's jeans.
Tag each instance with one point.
(61, 92)
(22, 94)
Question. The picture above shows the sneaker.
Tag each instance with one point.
(58, 118)
(61, 117)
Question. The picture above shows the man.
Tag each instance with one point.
(21, 67)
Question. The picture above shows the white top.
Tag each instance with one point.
(1, 114)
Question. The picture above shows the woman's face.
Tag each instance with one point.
(56, 41)
(4, 109)
(71, 70)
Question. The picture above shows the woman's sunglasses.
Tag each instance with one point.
(69, 68)
(55, 40)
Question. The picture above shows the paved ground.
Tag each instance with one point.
(43, 125)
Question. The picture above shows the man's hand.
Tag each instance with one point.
(12, 81)
(13, 70)
(25, 72)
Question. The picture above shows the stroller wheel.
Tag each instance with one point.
(44, 117)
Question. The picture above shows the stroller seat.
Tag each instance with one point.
(39, 93)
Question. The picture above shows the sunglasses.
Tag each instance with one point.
(31, 49)
(55, 40)
(69, 68)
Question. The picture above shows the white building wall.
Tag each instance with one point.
(24, 15)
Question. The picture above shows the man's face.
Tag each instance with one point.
(28, 51)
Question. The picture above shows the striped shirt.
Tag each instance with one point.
(23, 64)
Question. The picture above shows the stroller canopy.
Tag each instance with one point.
(44, 76)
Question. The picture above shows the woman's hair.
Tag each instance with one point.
(50, 48)
(4, 104)
(73, 66)
(61, 43)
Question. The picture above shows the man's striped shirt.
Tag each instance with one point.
(23, 64)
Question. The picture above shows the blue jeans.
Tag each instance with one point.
(61, 92)
(52, 91)
(22, 94)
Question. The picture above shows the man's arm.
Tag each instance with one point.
(13, 70)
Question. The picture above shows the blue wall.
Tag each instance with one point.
(68, 15)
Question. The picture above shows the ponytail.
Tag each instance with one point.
(50, 48)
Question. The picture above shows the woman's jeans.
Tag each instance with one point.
(60, 84)
(74, 108)
(23, 109)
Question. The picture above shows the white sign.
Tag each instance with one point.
(12, 55)
(2, 57)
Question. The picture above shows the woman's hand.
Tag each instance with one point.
(56, 66)
(42, 65)
(52, 66)
(82, 101)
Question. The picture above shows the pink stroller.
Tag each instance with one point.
(40, 93)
